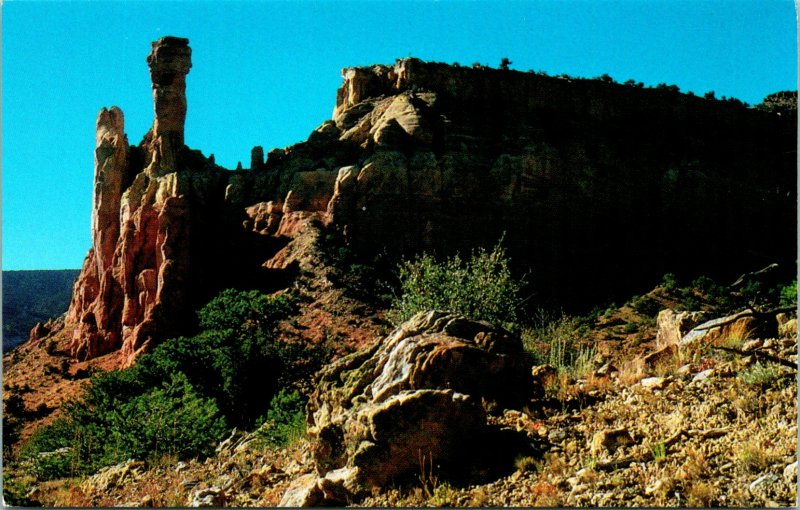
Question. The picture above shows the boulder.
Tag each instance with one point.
(413, 397)
(673, 325)
(211, 497)
(610, 440)
(112, 476)
(717, 329)
(303, 492)
(663, 358)
(787, 326)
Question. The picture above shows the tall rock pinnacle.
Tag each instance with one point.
(169, 61)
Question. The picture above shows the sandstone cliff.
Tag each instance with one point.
(598, 189)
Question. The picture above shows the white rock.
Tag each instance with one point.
(653, 488)
(751, 345)
(703, 376)
(790, 472)
(302, 492)
(205, 498)
(654, 383)
(763, 481)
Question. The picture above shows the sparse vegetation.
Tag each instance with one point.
(760, 374)
(779, 102)
(526, 464)
(788, 294)
(659, 451)
(557, 341)
(481, 287)
(752, 458)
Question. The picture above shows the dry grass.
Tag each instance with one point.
(752, 458)
(545, 494)
(527, 464)
(600, 384)
(694, 467)
(736, 335)
(479, 497)
(632, 372)
(668, 365)
(701, 494)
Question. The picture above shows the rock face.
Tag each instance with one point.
(586, 181)
(586, 188)
(376, 413)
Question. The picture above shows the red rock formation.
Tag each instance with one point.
(133, 279)
(599, 189)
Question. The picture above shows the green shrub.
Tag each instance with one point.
(235, 309)
(286, 419)
(13, 416)
(788, 294)
(481, 288)
(630, 327)
(102, 430)
(645, 305)
(237, 360)
(50, 450)
(760, 374)
(669, 282)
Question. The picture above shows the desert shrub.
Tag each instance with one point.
(788, 294)
(556, 340)
(762, 375)
(13, 415)
(234, 309)
(237, 360)
(669, 282)
(645, 305)
(49, 450)
(285, 420)
(482, 287)
(356, 275)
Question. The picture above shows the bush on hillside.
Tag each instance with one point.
(285, 419)
(180, 399)
(788, 294)
(482, 287)
(105, 429)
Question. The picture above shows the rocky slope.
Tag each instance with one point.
(700, 428)
(595, 187)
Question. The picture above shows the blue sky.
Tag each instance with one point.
(266, 73)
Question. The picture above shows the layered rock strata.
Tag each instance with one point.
(597, 189)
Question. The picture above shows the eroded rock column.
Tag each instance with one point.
(169, 61)
(97, 299)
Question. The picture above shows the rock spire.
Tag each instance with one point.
(169, 62)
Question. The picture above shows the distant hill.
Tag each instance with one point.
(33, 296)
